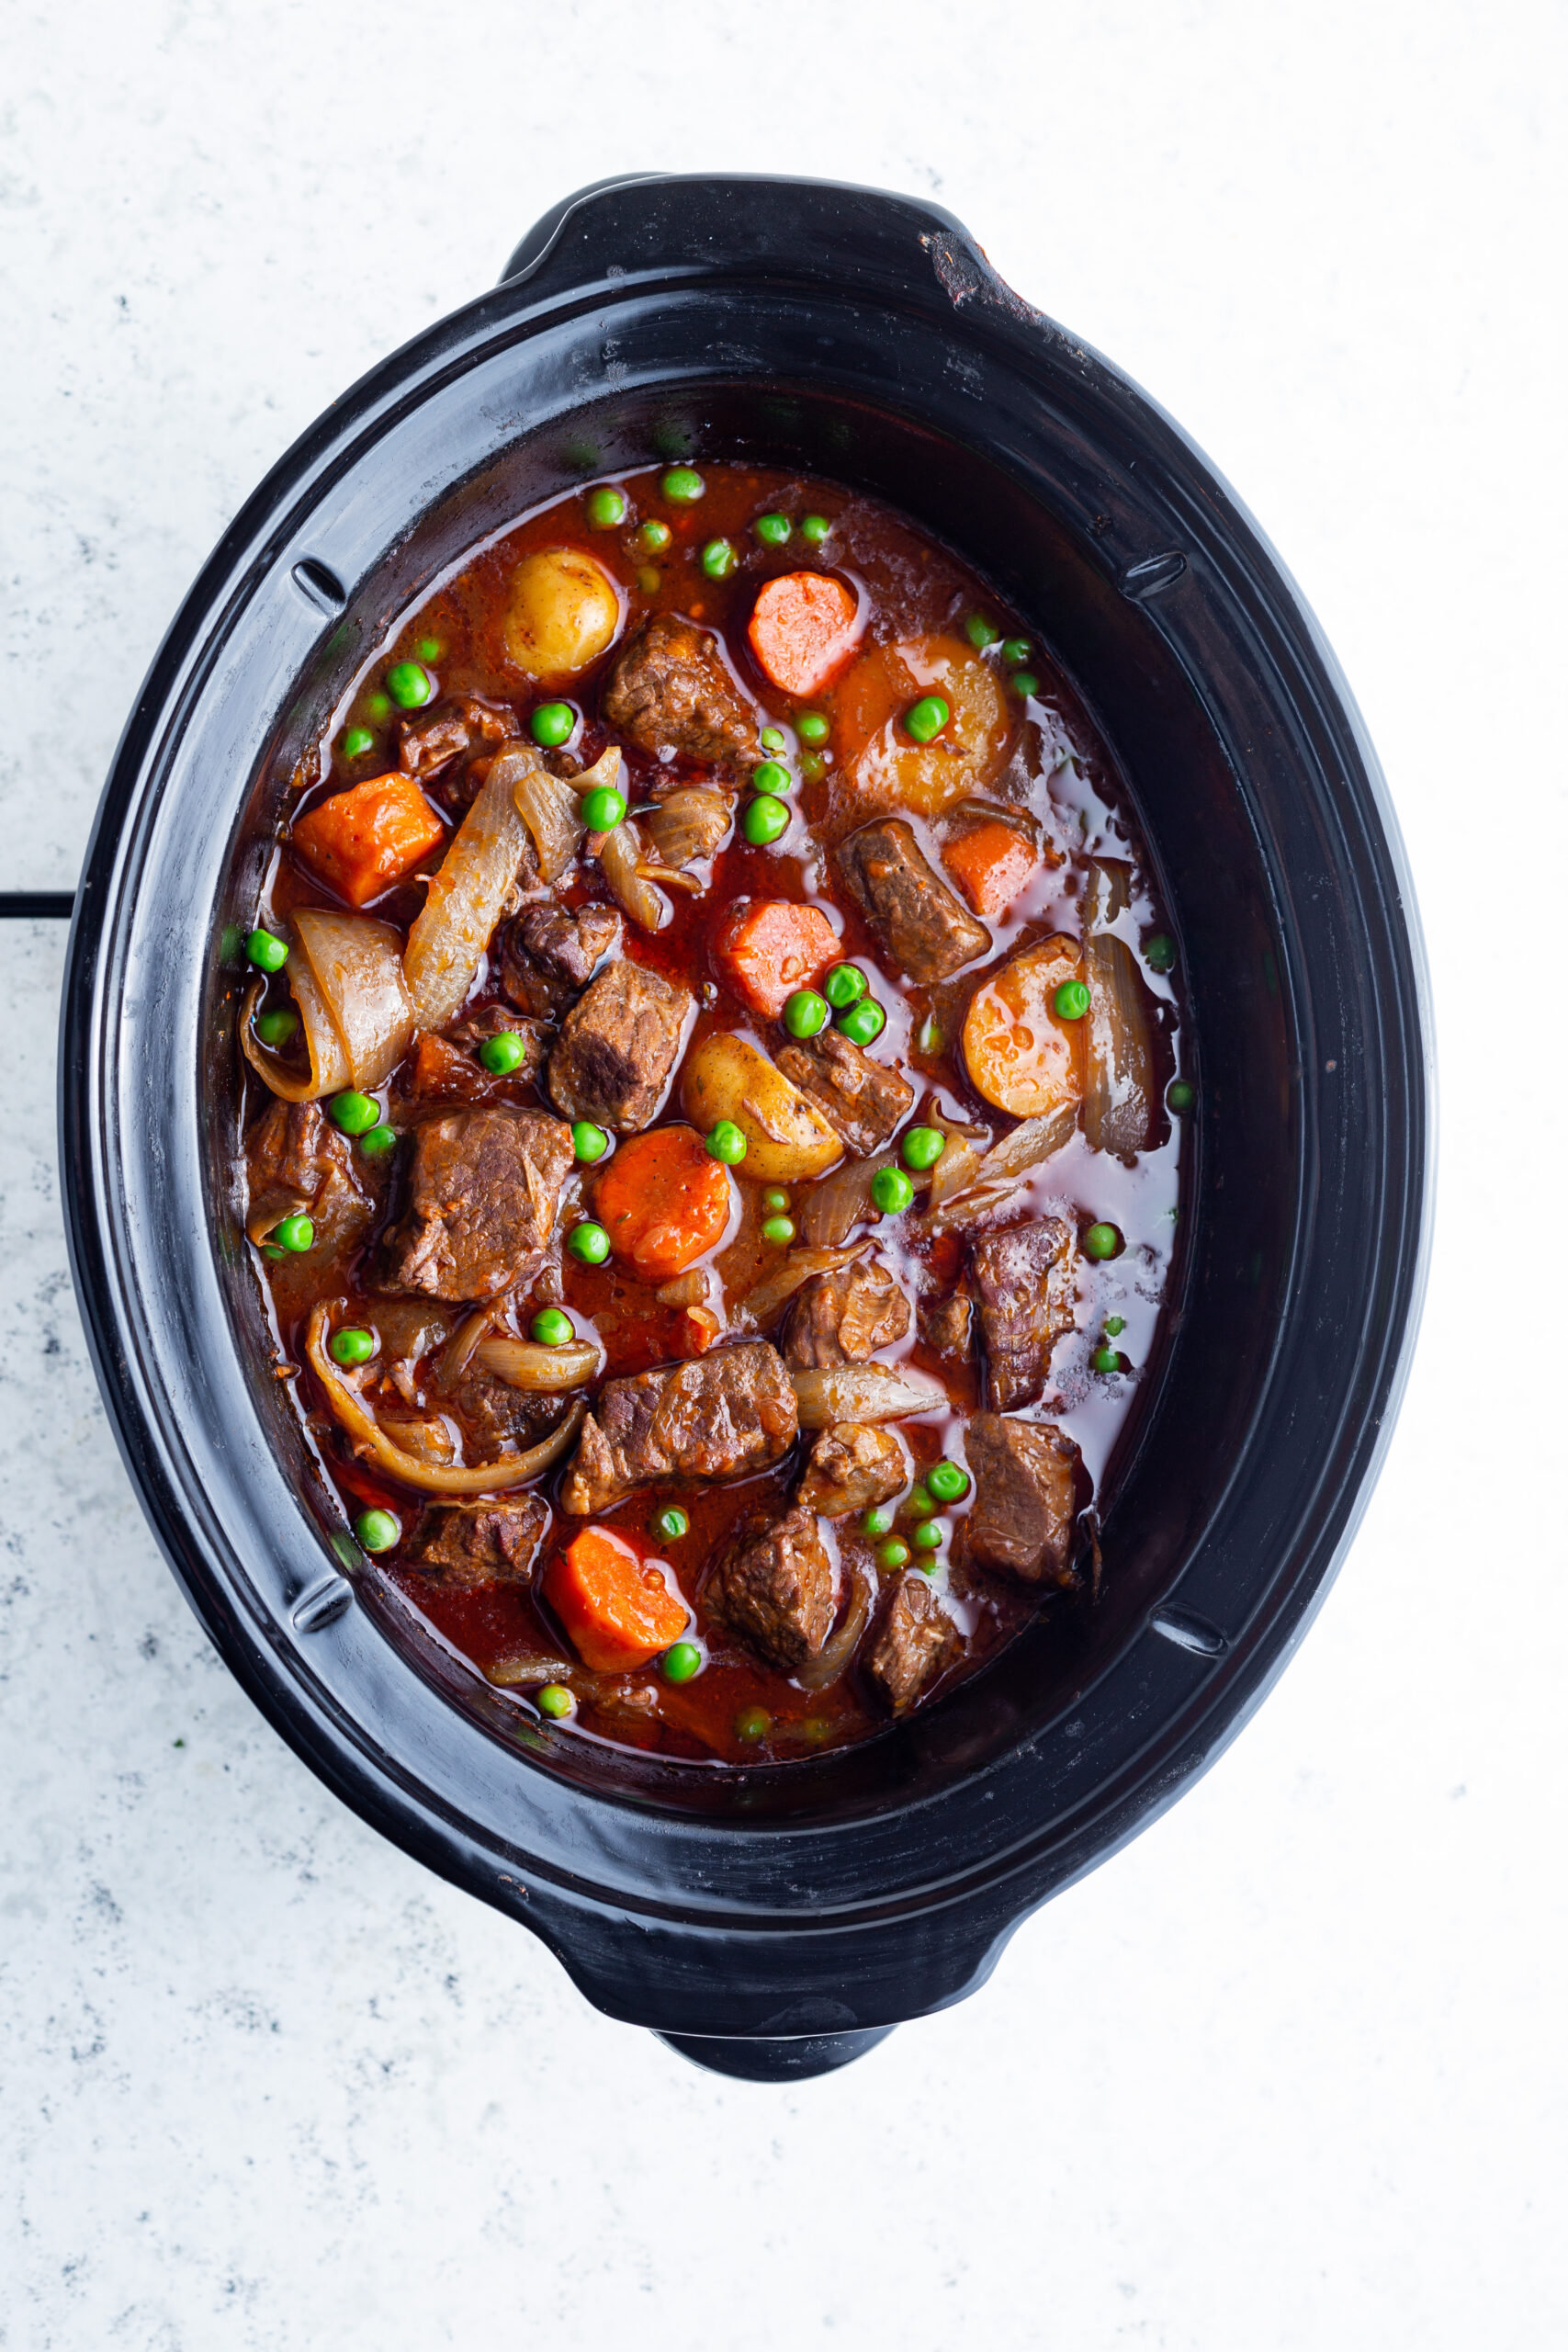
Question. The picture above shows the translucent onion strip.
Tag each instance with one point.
(357, 965)
(523, 1364)
(1119, 1092)
(548, 809)
(837, 1651)
(761, 1303)
(468, 894)
(862, 1392)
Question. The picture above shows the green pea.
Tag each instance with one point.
(590, 1242)
(922, 1147)
(930, 1038)
(776, 1202)
(270, 1250)
(753, 1722)
(352, 1344)
(602, 809)
(926, 718)
(1071, 1001)
(1105, 1359)
(877, 1520)
(764, 820)
(354, 1113)
(727, 1143)
(1159, 953)
(277, 1028)
(296, 1234)
(1025, 683)
(720, 559)
(266, 951)
(356, 743)
(947, 1482)
(430, 648)
(813, 767)
(843, 984)
(812, 727)
(409, 685)
(503, 1053)
(1178, 1093)
(653, 538)
(863, 1022)
(379, 707)
(552, 724)
(1015, 650)
(980, 631)
(893, 1553)
(773, 739)
(918, 1504)
(1101, 1241)
(673, 1523)
(554, 1701)
(805, 1013)
(682, 485)
(814, 528)
(607, 507)
(682, 1660)
(590, 1143)
(1114, 1325)
(378, 1530)
(930, 1537)
(379, 1142)
(769, 776)
(773, 529)
(647, 580)
(551, 1328)
(892, 1191)
(778, 1231)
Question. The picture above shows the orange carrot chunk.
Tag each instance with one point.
(803, 629)
(615, 1608)
(766, 948)
(359, 843)
(990, 864)
(664, 1200)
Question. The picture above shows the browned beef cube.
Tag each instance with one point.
(775, 1587)
(844, 1317)
(501, 1419)
(551, 952)
(469, 1543)
(916, 1641)
(928, 932)
(947, 1324)
(1026, 1279)
(617, 1046)
(483, 1190)
(429, 742)
(670, 686)
(1025, 1498)
(852, 1467)
(688, 824)
(722, 1414)
(296, 1159)
(863, 1099)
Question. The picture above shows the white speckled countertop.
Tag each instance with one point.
(1289, 2073)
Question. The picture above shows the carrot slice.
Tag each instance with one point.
(664, 1200)
(990, 864)
(804, 628)
(1020, 1054)
(359, 843)
(615, 1607)
(766, 948)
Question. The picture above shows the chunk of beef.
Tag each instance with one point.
(551, 952)
(483, 1191)
(669, 686)
(774, 1586)
(929, 934)
(296, 1159)
(437, 736)
(617, 1046)
(501, 1419)
(851, 1467)
(947, 1324)
(688, 824)
(916, 1641)
(723, 1413)
(469, 1543)
(1025, 1499)
(1026, 1280)
(442, 1071)
(844, 1317)
(863, 1099)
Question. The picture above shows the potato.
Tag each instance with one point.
(1019, 1053)
(565, 610)
(787, 1139)
(884, 764)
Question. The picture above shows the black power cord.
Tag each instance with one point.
(31, 905)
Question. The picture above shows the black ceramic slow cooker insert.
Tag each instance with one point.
(777, 1920)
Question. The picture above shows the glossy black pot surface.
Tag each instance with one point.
(772, 1921)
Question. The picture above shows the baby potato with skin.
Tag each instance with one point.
(564, 611)
(787, 1139)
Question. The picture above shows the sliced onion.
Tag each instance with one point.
(687, 824)
(357, 962)
(690, 1289)
(620, 861)
(522, 1363)
(834, 1208)
(477, 1324)
(371, 1441)
(1119, 1094)
(506, 1673)
(548, 809)
(467, 895)
(998, 1176)
(762, 1302)
(837, 1651)
(328, 1061)
(861, 1392)
(958, 1163)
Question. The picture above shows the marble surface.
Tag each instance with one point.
(1289, 2072)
